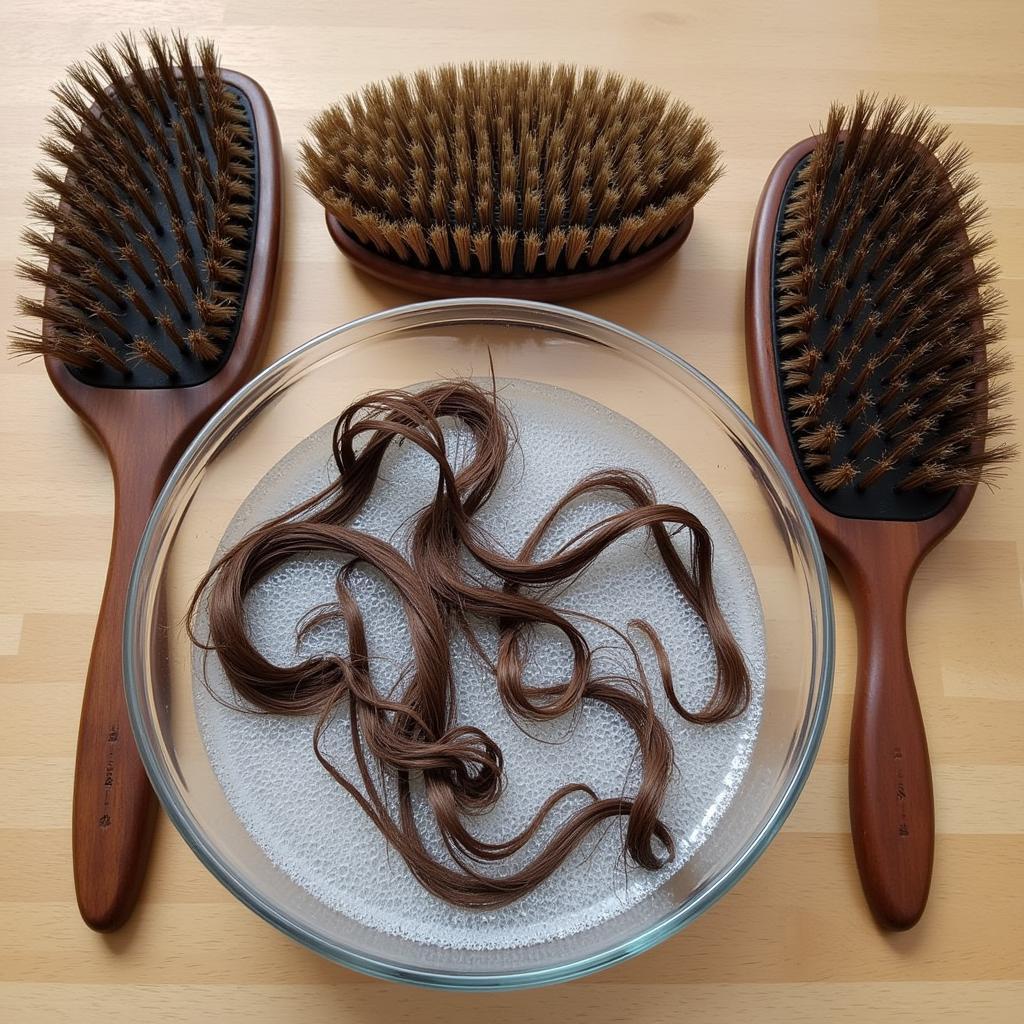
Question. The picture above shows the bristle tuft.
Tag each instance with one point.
(202, 346)
(146, 352)
(509, 168)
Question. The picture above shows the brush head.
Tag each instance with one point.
(884, 318)
(148, 213)
(505, 171)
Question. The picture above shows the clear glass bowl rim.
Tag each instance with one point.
(134, 655)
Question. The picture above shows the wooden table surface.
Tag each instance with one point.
(794, 940)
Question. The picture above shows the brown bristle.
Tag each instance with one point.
(516, 150)
(170, 329)
(100, 351)
(599, 242)
(575, 245)
(67, 347)
(146, 352)
(886, 319)
(215, 309)
(202, 346)
(463, 240)
(482, 249)
(554, 243)
(624, 235)
(134, 296)
(506, 249)
(130, 269)
(531, 251)
(176, 296)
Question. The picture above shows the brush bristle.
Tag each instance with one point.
(885, 320)
(509, 168)
(149, 188)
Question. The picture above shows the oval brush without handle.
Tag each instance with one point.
(509, 179)
(869, 326)
(161, 249)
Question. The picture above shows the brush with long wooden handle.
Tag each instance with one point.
(870, 334)
(158, 255)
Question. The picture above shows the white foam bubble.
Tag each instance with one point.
(315, 832)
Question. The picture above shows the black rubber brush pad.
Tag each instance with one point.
(190, 371)
(881, 500)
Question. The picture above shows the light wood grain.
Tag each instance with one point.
(794, 941)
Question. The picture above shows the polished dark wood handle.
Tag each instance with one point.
(114, 805)
(892, 816)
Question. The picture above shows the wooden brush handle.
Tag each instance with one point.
(891, 813)
(114, 806)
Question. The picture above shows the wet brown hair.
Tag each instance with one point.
(409, 736)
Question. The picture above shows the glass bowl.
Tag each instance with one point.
(532, 341)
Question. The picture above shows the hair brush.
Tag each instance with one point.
(158, 251)
(532, 182)
(873, 371)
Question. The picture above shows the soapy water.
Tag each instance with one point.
(315, 832)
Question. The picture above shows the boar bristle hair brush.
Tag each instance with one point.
(515, 180)
(159, 228)
(875, 375)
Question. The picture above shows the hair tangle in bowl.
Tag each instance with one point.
(407, 741)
